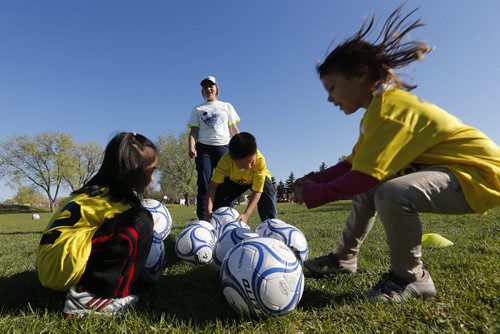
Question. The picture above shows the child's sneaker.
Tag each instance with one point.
(329, 265)
(394, 289)
(79, 302)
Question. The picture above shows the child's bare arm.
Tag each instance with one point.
(252, 203)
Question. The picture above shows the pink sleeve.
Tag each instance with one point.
(350, 184)
(331, 173)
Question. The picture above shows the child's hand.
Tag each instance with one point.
(192, 153)
(303, 181)
(297, 195)
(244, 217)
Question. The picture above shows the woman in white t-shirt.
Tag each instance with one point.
(211, 126)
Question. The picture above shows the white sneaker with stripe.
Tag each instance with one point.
(79, 302)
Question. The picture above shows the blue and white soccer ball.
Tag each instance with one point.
(156, 254)
(230, 226)
(228, 240)
(161, 216)
(261, 276)
(223, 215)
(195, 244)
(288, 234)
(203, 223)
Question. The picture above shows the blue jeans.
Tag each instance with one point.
(207, 157)
(228, 191)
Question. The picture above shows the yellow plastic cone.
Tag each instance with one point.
(435, 240)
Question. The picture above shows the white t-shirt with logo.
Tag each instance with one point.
(213, 120)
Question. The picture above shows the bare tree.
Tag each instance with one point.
(177, 172)
(41, 161)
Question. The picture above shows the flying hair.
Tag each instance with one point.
(382, 56)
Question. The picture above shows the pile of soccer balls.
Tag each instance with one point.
(260, 271)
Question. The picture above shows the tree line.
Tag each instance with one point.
(41, 166)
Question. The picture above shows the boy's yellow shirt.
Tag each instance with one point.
(62, 257)
(255, 176)
(399, 129)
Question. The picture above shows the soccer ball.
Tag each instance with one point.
(262, 276)
(288, 234)
(161, 216)
(156, 253)
(227, 241)
(231, 225)
(203, 223)
(35, 216)
(195, 244)
(222, 216)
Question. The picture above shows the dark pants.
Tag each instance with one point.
(120, 248)
(228, 191)
(207, 157)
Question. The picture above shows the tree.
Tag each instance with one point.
(289, 185)
(342, 158)
(26, 195)
(40, 161)
(177, 172)
(280, 190)
(85, 162)
(322, 167)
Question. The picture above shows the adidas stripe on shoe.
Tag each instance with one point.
(79, 302)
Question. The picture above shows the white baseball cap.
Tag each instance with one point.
(209, 78)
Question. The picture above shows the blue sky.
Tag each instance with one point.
(92, 68)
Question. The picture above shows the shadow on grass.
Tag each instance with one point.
(314, 299)
(21, 233)
(23, 289)
(194, 295)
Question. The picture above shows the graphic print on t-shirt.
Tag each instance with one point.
(209, 118)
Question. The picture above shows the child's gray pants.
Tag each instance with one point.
(398, 202)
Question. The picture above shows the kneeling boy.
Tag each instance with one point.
(244, 167)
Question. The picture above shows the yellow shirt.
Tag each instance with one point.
(398, 129)
(67, 241)
(255, 176)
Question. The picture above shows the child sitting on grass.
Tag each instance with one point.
(96, 246)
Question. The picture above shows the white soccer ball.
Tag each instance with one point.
(203, 223)
(229, 226)
(161, 216)
(35, 216)
(195, 244)
(222, 216)
(156, 254)
(228, 240)
(262, 276)
(288, 234)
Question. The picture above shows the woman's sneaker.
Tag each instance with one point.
(391, 288)
(330, 265)
(79, 302)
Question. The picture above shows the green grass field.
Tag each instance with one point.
(188, 298)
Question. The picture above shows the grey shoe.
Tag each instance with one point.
(330, 265)
(391, 288)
